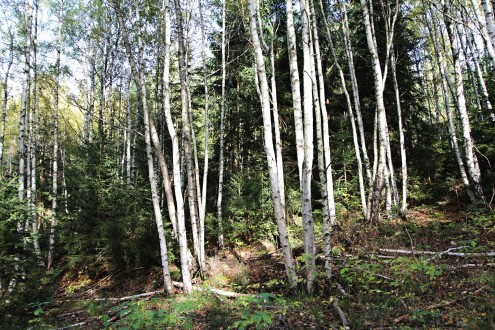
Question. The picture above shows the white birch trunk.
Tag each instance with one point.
(202, 211)
(355, 92)
(276, 126)
(34, 133)
(167, 185)
(350, 111)
(435, 35)
(479, 13)
(6, 96)
(221, 135)
(307, 211)
(26, 82)
(54, 220)
(139, 78)
(91, 58)
(295, 86)
(481, 79)
(325, 166)
(403, 206)
(489, 19)
(181, 225)
(381, 159)
(128, 138)
(471, 160)
(186, 129)
(279, 210)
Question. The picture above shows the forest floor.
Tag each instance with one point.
(431, 270)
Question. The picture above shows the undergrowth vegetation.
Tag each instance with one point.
(373, 286)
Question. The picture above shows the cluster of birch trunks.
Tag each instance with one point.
(461, 40)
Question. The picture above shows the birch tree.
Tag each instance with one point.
(471, 159)
(355, 90)
(139, 78)
(349, 109)
(279, 207)
(34, 140)
(187, 140)
(325, 160)
(6, 95)
(25, 102)
(307, 165)
(54, 220)
(435, 35)
(221, 133)
(380, 175)
(181, 226)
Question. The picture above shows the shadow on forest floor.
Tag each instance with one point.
(438, 275)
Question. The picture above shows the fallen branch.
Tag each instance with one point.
(341, 313)
(75, 325)
(380, 256)
(228, 294)
(73, 313)
(384, 277)
(471, 266)
(444, 253)
(117, 316)
(136, 296)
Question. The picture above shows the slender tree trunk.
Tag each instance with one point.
(270, 151)
(25, 102)
(105, 53)
(128, 137)
(167, 184)
(221, 134)
(326, 165)
(90, 108)
(307, 211)
(481, 80)
(381, 157)
(186, 129)
(489, 19)
(6, 95)
(403, 206)
(435, 36)
(53, 222)
(471, 160)
(323, 182)
(181, 226)
(325, 118)
(480, 15)
(295, 86)
(64, 183)
(139, 78)
(276, 124)
(202, 212)
(355, 91)
(34, 132)
(350, 110)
